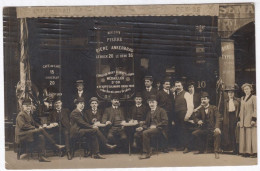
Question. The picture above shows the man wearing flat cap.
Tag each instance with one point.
(80, 127)
(94, 116)
(149, 89)
(137, 114)
(59, 119)
(114, 117)
(27, 130)
(155, 125)
(208, 119)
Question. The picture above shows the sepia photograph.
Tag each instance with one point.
(129, 86)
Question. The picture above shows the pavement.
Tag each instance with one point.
(171, 159)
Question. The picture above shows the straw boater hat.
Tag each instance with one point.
(148, 77)
(246, 84)
(93, 99)
(79, 99)
(79, 82)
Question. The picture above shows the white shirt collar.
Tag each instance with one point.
(149, 89)
(138, 105)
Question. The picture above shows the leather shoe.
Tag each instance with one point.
(98, 156)
(216, 155)
(110, 146)
(69, 156)
(198, 152)
(147, 156)
(87, 153)
(43, 159)
(186, 150)
(59, 147)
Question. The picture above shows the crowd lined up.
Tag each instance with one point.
(171, 115)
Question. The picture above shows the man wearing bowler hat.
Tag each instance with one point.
(114, 117)
(208, 119)
(27, 130)
(59, 119)
(155, 125)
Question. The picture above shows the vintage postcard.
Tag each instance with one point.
(126, 86)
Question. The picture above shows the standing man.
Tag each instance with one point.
(59, 119)
(27, 130)
(209, 120)
(80, 91)
(149, 89)
(183, 110)
(155, 125)
(165, 100)
(80, 127)
(114, 117)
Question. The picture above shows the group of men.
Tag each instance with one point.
(169, 112)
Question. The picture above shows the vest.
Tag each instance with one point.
(180, 102)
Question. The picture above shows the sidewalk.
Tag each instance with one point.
(172, 159)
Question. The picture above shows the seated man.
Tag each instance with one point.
(138, 114)
(114, 117)
(94, 116)
(209, 119)
(27, 130)
(80, 127)
(59, 119)
(155, 125)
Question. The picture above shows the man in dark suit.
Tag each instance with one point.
(114, 117)
(27, 130)
(165, 100)
(59, 119)
(209, 120)
(149, 89)
(155, 125)
(80, 91)
(94, 116)
(80, 127)
(137, 114)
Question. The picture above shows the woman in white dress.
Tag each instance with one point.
(247, 123)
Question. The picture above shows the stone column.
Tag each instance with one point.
(227, 62)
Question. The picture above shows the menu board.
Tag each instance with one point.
(114, 61)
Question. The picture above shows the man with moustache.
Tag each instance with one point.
(114, 117)
(165, 100)
(155, 125)
(183, 106)
(80, 127)
(27, 130)
(209, 120)
(149, 89)
(59, 119)
(80, 91)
